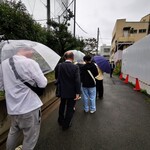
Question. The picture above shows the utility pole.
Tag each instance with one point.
(97, 39)
(48, 13)
(74, 32)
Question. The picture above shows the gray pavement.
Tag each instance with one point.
(121, 122)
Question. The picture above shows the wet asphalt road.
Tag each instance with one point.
(121, 122)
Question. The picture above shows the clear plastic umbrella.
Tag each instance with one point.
(78, 55)
(43, 55)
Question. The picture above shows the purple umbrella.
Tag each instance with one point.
(102, 63)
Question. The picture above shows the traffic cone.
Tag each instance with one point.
(127, 78)
(137, 85)
(121, 77)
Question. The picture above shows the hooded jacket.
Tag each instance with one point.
(86, 79)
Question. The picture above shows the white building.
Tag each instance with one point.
(105, 51)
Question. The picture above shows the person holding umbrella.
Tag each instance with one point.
(23, 104)
(99, 83)
(102, 66)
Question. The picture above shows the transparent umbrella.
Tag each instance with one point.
(78, 55)
(43, 55)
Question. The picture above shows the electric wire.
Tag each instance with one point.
(43, 3)
(60, 6)
(33, 7)
(81, 28)
(66, 7)
(29, 5)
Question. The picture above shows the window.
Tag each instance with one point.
(133, 31)
(142, 30)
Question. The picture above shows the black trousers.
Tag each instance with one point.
(111, 72)
(66, 111)
(99, 88)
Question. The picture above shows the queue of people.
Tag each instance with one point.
(74, 82)
(75, 79)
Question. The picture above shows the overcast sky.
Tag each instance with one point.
(91, 14)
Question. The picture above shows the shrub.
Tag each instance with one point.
(117, 69)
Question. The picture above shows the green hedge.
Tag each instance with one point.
(117, 69)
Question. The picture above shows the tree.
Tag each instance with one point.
(75, 43)
(92, 42)
(16, 23)
(64, 37)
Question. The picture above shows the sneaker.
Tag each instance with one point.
(74, 108)
(92, 111)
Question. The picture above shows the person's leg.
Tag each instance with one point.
(98, 86)
(61, 111)
(111, 71)
(13, 134)
(30, 125)
(74, 106)
(92, 94)
(85, 98)
(101, 89)
(69, 112)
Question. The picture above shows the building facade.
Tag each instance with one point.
(126, 33)
(105, 51)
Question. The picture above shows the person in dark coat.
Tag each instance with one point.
(112, 66)
(70, 88)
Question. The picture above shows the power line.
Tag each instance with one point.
(81, 28)
(29, 5)
(41, 20)
(33, 6)
(43, 3)
(66, 7)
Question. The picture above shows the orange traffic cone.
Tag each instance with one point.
(137, 85)
(127, 78)
(121, 77)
